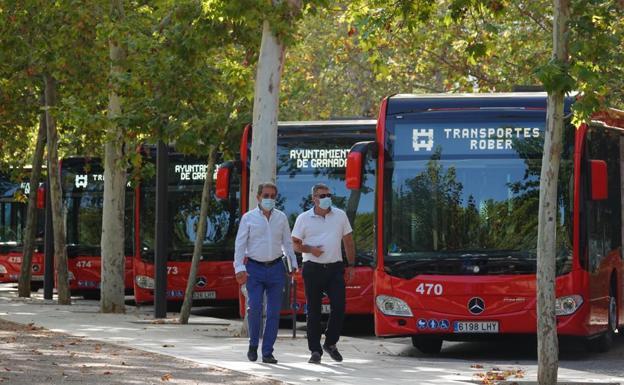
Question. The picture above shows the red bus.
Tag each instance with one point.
(82, 181)
(13, 206)
(308, 153)
(215, 279)
(456, 227)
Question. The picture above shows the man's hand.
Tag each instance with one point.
(241, 277)
(316, 250)
(290, 274)
(349, 274)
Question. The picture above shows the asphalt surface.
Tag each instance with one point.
(572, 353)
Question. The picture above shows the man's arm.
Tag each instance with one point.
(349, 246)
(287, 244)
(301, 248)
(240, 245)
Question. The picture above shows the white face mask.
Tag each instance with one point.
(325, 203)
(267, 203)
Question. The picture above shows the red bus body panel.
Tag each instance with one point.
(12, 261)
(218, 277)
(510, 300)
(87, 273)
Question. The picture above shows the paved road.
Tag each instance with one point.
(573, 354)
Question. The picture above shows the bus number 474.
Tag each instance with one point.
(83, 264)
(429, 289)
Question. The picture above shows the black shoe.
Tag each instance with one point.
(269, 359)
(333, 352)
(315, 358)
(252, 353)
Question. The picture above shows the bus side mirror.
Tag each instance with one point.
(356, 161)
(353, 175)
(224, 178)
(41, 194)
(222, 190)
(598, 171)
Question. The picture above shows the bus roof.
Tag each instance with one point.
(413, 103)
(326, 123)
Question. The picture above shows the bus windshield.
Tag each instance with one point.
(83, 194)
(464, 198)
(303, 162)
(13, 200)
(13, 208)
(186, 181)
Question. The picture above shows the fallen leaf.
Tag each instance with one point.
(107, 372)
(168, 346)
(166, 377)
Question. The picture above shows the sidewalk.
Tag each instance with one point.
(214, 342)
(30, 355)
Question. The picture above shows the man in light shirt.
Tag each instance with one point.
(317, 234)
(263, 236)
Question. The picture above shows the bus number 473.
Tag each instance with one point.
(429, 289)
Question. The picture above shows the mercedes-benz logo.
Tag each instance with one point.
(476, 305)
(201, 281)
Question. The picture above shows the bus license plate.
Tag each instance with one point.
(204, 294)
(475, 327)
(325, 308)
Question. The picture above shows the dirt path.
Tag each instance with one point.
(32, 356)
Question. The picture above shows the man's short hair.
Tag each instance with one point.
(261, 186)
(319, 186)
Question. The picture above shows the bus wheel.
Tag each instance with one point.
(35, 286)
(91, 294)
(427, 344)
(604, 342)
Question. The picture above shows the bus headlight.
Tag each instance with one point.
(144, 282)
(393, 306)
(568, 304)
(3, 270)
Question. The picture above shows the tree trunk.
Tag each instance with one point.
(56, 197)
(31, 214)
(265, 112)
(265, 116)
(113, 210)
(185, 312)
(547, 343)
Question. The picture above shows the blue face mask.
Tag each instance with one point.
(325, 203)
(267, 204)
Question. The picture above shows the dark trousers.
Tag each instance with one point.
(328, 278)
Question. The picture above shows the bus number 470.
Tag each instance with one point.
(429, 289)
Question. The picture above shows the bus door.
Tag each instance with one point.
(603, 202)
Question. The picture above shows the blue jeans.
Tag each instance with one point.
(261, 279)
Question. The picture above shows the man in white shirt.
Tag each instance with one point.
(317, 234)
(263, 235)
